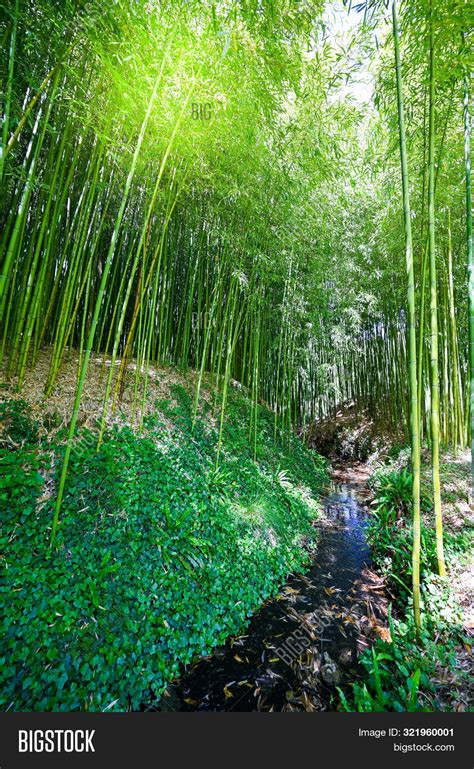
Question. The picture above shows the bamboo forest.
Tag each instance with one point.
(237, 350)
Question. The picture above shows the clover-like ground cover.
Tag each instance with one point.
(160, 556)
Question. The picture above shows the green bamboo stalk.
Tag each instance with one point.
(8, 90)
(414, 421)
(15, 243)
(470, 263)
(95, 317)
(435, 437)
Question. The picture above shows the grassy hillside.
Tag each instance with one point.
(159, 555)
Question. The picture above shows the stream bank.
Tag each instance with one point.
(305, 642)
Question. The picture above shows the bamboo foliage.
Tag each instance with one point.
(136, 233)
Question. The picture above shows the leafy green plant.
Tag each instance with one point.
(400, 674)
(16, 427)
(159, 557)
(393, 493)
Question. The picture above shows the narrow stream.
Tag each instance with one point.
(299, 645)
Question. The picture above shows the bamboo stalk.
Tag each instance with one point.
(414, 421)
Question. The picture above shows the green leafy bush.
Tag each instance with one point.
(394, 492)
(390, 532)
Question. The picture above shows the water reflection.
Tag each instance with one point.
(258, 671)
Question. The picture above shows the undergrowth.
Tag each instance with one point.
(160, 555)
(411, 673)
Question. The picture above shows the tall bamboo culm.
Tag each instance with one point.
(470, 263)
(414, 422)
(434, 310)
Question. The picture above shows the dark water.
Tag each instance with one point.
(301, 644)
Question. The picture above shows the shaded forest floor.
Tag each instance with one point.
(162, 556)
(160, 553)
